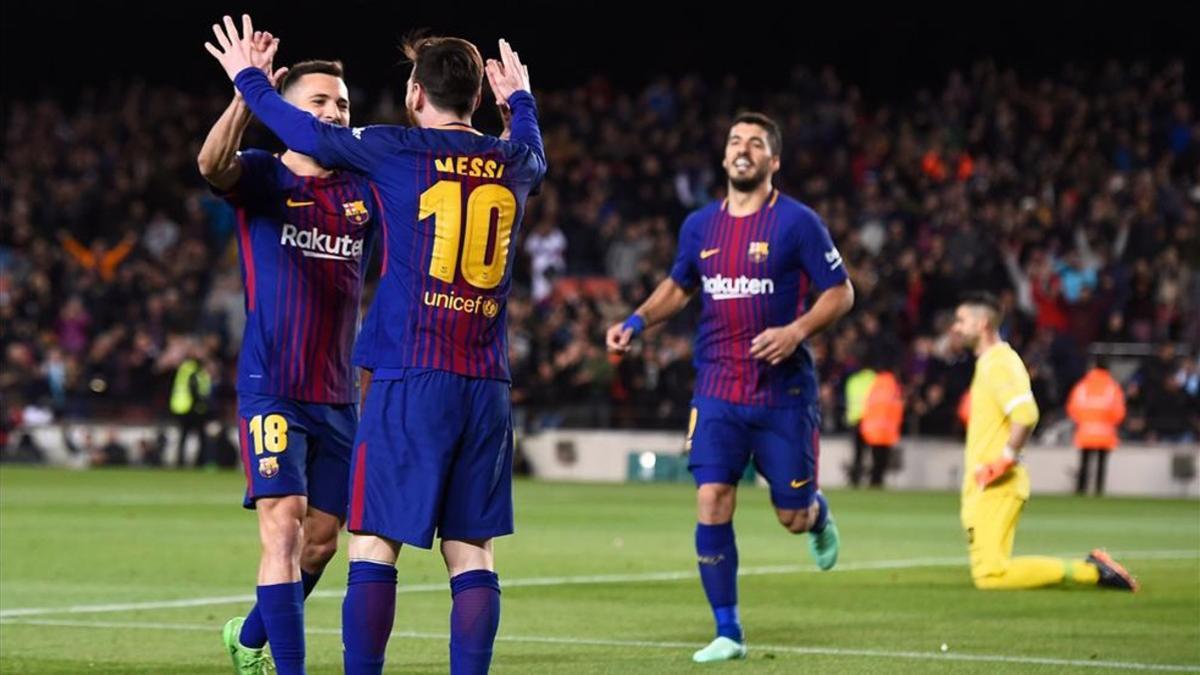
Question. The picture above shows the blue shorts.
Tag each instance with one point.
(434, 452)
(294, 448)
(783, 442)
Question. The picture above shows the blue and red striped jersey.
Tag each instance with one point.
(304, 245)
(452, 200)
(754, 272)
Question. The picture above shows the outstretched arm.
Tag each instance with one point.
(667, 300)
(509, 79)
(218, 160)
(329, 144)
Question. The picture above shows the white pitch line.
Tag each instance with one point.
(647, 644)
(909, 563)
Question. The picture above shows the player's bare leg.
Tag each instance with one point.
(475, 612)
(716, 555)
(280, 530)
(320, 541)
(823, 538)
(280, 596)
(369, 609)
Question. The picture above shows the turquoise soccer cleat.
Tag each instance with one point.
(824, 546)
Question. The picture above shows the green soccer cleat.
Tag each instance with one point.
(246, 661)
(720, 649)
(824, 546)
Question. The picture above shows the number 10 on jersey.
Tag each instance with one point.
(443, 201)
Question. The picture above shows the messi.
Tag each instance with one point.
(475, 167)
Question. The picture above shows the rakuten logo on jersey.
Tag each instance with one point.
(728, 288)
(315, 244)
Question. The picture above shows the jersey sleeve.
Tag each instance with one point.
(525, 130)
(821, 260)
(361, 149)
(256, 182)
(526, 150)
(1008, 383)
(685, 271)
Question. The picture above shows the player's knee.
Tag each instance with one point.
(986, 582)
(795, 522)
(987, 577)
(282, 546)
(280, 529)
(715, 503)
(467, 555)
(372, 548)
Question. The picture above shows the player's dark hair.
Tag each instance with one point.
(986, 301)
(774, 136)
(449, 69)
(303, 68)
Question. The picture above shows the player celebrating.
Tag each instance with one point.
(301, 235)
(995, 484)
(434, 451)
(753, 257)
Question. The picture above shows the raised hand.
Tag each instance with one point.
(262, 56)
(233, 52)
(508, 74)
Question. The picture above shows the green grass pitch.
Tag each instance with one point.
(136, 571)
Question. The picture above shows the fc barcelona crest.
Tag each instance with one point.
(268, 467)
(758, 251)
(356, 212)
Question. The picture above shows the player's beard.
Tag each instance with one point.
(752, 182)
(412, 117)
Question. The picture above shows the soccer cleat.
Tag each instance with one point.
(720, 649)
(246, 661)
(1112, 574)
(824, 546)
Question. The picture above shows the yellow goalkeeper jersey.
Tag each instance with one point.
(1000, 395)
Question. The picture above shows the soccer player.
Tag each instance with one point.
(995, 484)
(434, 451)
(302, 229)
(753, 257)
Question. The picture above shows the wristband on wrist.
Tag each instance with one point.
(636, 323)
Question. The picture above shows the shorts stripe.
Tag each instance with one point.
(244, 437)
(358, 489)
(816, 446)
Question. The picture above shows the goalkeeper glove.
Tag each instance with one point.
(991, 472)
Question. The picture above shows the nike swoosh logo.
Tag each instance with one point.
(292, 203)
(797, 484)
(708, 253)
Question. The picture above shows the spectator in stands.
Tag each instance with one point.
(1085, 180)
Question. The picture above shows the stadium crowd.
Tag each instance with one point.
(1075, 197)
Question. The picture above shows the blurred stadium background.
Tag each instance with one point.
(1050, 154)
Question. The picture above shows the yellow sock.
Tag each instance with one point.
(1025, 572)
(1082, 572)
